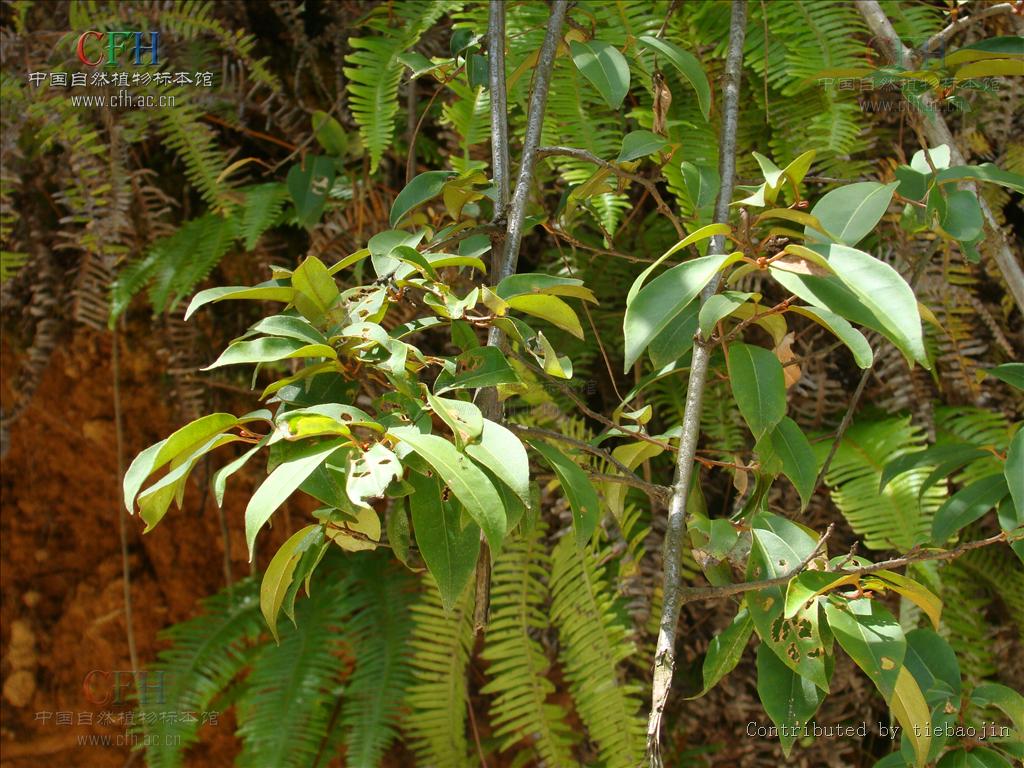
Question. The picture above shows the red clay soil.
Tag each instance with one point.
(62, 597)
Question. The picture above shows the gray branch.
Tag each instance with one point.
(664, 658)
(937, 132)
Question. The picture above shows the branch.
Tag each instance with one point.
(943, 37)
(664, 658)
(690, 594)
(648, 184)
(499, 109)
(534, 124)
(937, 132)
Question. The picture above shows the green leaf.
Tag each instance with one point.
(476, 369)
(809, 585)
(330, 134)
(911, 711)
(718, 306)
(758, 385)
(725, 651)
(984, 172)
(535, 282)
(288, 327)
(184, 440)
(1011, 373)
(913, 184)
(1014, 471)
(997, 695)
(277, 579)
(550, 308)
(272, 290)
(282, 483)
(924, 598)
(702, 184)
(787, 441)
(851, 211)
(967, 505)
(946, 458)
(962, 219)
(604, 67)
(703, 233)
(789, 699)
(872, 637)
(371, 473)
(586, 506)
(467, 481)
(939, 157)
(933, 663)
(974, 758)
(422, 188)
(463, 418)
(632, 455)
(657, 304)
(220, 477)
(308, 184)
(688, 66)
(842, 330)
(449, 550)
(677, 338)
(315, 289)
(640, 144)
(269, 349)
(866, 291)
(503, 453)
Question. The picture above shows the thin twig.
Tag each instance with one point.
(664, 658)
(843, 426)
(937, 131)
(690, 594)
(943, 37)
(648, 184)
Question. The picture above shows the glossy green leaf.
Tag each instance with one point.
(186, 439)
(725, 651)
(1011, 373)
(842, 330)
(962, 219)
(638, 144)
(422, 188)
(677, 337)
(272, 290)
(758, 385)
(308, 184)
(864, 290)
(586, 506)
(789, 699)
(220, 477)
(503, 454)
(928, 161)
(703, 233)
(787, 441)
(632, 455)
(851, 211)
(717, 307)
(974, 758)
(702, 184)
(946, 458)
(467, 481)
(989, 694)
(550, 308)
(811, 584)
(269, 349)
(475, 369)
(282, 483)
(984, 172)
(315, 289)
(689, 67)
(449, 550)
(934, 665)
(657, 304)
(911, 711)
(967, 505)
(535, 282)
(289, 327)
(872, 637)
(604, 67)
(463, 418)
(277, 579)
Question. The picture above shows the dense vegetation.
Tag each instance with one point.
(597, 340)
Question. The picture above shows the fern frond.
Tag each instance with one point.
(441, 645)
(260, 211)
(205, 654)
(379, 633)
(520, 711)
(186, 136)
(285, 710)
(895, 518)
(374, 72)
(594, 641)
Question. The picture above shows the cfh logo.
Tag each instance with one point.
(93, 46)
(119, 686)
